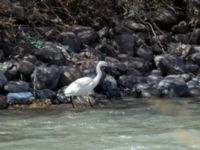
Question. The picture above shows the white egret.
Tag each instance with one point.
(85, 86)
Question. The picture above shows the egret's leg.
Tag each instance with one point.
(89, 101)
(71, 99)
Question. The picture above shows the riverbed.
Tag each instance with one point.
(129, 124)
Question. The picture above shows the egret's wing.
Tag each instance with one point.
(78, 86)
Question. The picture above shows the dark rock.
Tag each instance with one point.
(85, 34)
(195, 91)
(137, 63)
(3, 103)
(145, 90)
(68, 74)
(1, 54)
(26, 67)
(70, 39)
(46, 94)
(185, 77)
(30, 58)
(169, 64)
(17, 86)
(180, 38)
(173, 87)
(3, 79)
(194, 82)
(181, 27)
(165, 18)
(108, 86)
(103, 32)
(126, 43)
(191, 67)
(154, 78)
(137, 27)
(61, 98)
(145, 53)
(51, 54)
(9, 68)
(195, 37)
(120, 29)
(46, 77)
(107, 49)
(195, 58)
(129, 81)
(156, 49)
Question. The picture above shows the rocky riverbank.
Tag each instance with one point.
(157, 57)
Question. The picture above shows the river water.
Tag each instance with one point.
(131, 125)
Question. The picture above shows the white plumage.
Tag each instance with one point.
(85, 86)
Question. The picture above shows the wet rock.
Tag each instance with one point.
(165, 18)
(173, 87)
(51, 54)
(194, 82)
(3, 103)
(185, 77)
(129, 81)
(107, 49)
(195, 91)
(3, 79)
(126, 43)
(108, 86)
(26, 67)
(17, 86)
(145, 53)
(154, 78)
(169, 64)
(60, 96)
(145, 90)
(30, 58)
(70, 39)
(85, 34)
(46, 94)
(68, 74)
(46, 77)
(181, 27)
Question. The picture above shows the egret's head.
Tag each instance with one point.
(103, 63)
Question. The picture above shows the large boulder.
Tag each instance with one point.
(129, 81)
(169, 64)
(26, 67)
(125, 43)
(17, 86)
(108, 86)
(71, 40)
(107, 49)
(3, 79)
(165, 18)
(10, 69)
(45, 94)
(51, 54)
(68, 75)
(46, 77)
(173, 87)
(145, 53)
(85, 34)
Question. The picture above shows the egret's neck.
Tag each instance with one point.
(98, 76)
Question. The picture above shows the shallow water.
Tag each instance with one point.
(132, 125)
